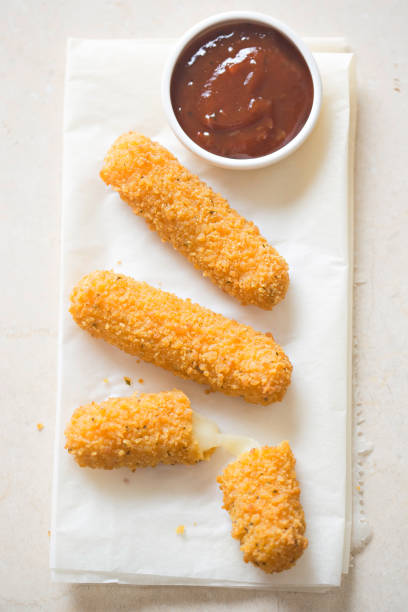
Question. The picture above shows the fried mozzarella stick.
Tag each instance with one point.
(182, 337)
(198, 223)
(261, 494)
(137, 431)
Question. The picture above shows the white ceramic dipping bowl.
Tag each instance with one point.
(217, 21)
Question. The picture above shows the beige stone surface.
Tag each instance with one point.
(32, 45)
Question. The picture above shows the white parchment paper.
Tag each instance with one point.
(120, 526)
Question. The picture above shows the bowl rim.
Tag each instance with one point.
(228, 162)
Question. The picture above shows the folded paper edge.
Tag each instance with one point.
(349, 436)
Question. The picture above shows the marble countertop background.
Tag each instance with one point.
(32, 53)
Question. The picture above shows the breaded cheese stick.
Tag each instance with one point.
(198, 223)
(261, 494)
(182, 337)
(136, 431)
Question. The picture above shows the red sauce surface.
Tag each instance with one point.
(241, 91)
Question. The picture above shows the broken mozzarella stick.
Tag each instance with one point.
(144, 430)
(137, 431)
(262, 496)
(197, 222)
(260, 489)
(182, 337)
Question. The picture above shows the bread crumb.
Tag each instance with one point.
(119, 262)
(105, 380)
(127, 380)
(49, 533)
(126, 480)
(141, 381)
(180, 530)
(195, 524)
(40, 426)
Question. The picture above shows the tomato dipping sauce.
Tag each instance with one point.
(241, 90)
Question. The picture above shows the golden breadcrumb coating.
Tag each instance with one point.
(136, 431)
(199, 223)
(261, 494)
(180, 336)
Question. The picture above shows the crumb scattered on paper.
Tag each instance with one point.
(49, 533)
(180, 530)
(105, 380)
(127, 380)
(40, 426)
(141, 381)
(126, 480)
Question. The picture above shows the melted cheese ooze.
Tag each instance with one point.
(208, 436)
